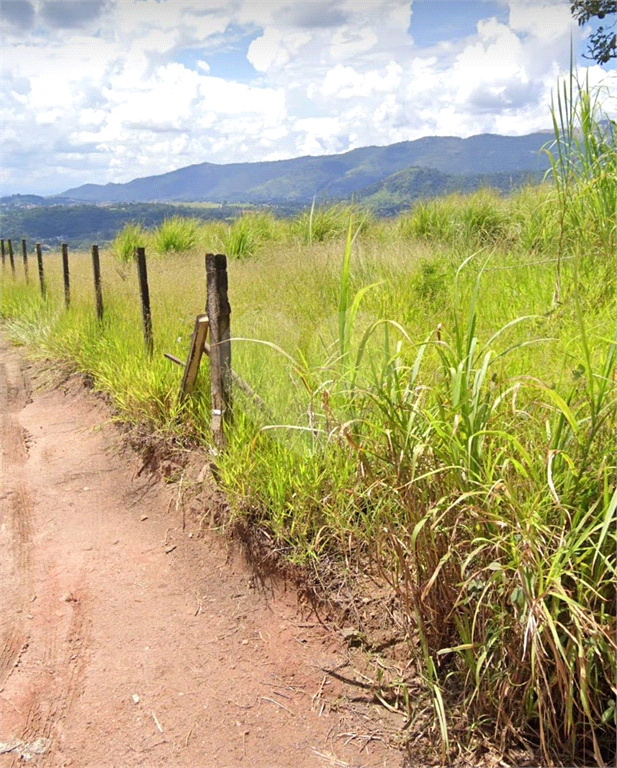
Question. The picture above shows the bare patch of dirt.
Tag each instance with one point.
(132, 638)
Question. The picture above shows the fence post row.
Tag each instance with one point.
(24, 253)
(217, 322)
(140, 254)
(11, 259)
(218, 309)
(98, 292)
(65, 272)
(39, 259)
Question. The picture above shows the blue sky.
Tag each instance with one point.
(109, 90)
(433, 21)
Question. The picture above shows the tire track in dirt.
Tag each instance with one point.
(53, 672)
(52, 697)
(16, 511)
(21, 524)
(74, 660)
(14, 644)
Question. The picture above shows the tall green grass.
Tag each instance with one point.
(131, 236)
(583, 160)
(175, 235)
(322, 222)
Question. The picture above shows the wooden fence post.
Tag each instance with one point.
(198, 347)
(3, 254)
(98, 291)
(140, 254)
(39, 259)
(24, 253)
(218, 309)
(65, 272)
(11, 259)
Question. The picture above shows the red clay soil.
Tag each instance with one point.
(128, 641)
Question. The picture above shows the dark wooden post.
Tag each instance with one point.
(11, 259)
(24, 253)
(3, 254)
(218, 309)
(96, 271)
(65, 272)
(140, 255)
(39, 260)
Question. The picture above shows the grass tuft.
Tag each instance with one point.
(130, 237)
(176, 235)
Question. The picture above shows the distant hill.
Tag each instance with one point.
(400, 189)
(328, 177)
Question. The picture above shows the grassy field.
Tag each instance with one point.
(441, 413)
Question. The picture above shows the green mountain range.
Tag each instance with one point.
(402, 172)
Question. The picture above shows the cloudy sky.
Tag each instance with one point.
(110, 90)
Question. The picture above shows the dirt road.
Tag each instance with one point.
(127, 641)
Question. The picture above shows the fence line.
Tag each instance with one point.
(216, 322)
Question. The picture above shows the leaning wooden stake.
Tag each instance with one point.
(237, 380)
(140, 255)
(3, 253)
(39, 260)
(24, 253)
(96, 271)
(11, 258)
(65, 273)
(218, 309)
(198, 344)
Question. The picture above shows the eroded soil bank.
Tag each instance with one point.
(128, 640)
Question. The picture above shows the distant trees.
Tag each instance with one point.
(84, 224)
(603, 42)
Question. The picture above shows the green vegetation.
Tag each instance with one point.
(175, 235)
(442, 391)
(82, 225)
(322, 223)
(130, 237)
(405, 187)
(248, 232)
